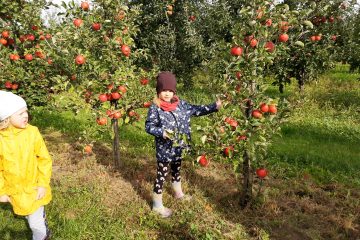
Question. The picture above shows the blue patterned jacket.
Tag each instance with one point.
(178, 121)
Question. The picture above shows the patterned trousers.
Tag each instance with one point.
(162, 172)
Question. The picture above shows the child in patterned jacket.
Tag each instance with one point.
(169, 116)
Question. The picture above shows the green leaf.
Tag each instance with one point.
(308, 24)
(127, 120)
(203, 139)
(299, 43)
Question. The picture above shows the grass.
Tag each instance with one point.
(312, 192)
(322, 137)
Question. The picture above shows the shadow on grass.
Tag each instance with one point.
(311, 146)
(338, 98)
(10, 232)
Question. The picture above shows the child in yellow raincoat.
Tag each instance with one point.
(25, 165)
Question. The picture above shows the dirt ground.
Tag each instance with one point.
(285, 209)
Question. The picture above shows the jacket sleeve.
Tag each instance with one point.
(44, 161)
(2, 185)
(200, 110)
(152, 123)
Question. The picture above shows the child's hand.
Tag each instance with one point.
(40, 193)
(168, 134)
(4, 198)
(218, 103)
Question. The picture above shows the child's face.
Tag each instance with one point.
(20, 118)
(166, 95)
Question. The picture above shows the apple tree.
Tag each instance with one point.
(23, 59)
(170, 30)
(242, 133)
(349, 40)
(316, 25)
(98, 61)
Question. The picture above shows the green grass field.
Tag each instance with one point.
(313, 191)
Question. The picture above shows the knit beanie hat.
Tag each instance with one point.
(165, 81)
(10, 104)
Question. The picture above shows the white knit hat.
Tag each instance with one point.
(10, 104)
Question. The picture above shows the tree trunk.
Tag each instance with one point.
(246, 195)
(116, 142)
(281, 88)
(301, 86)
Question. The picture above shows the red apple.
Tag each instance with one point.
(109, 96)
(96, 26)
(110, 86)
(122, 89)
(78, 22)
(228, 151)
(8, 85)
(283, 37)
(144, 81)
(115, 95)
(85, 6)
(269, 46)
(10, 41)
(88, 149)
(256, 114)
(28, 57)
(233, 123)
(253, 43)
(147, 104)
(79, 60)
(16, 57)
(5, 34)
(264, 107)
(268, 22)
(236, 51)
(202, 160)
(30, 37)
(14, 86)
(22, 38)
(261, 172)
(192, 18)
(125, 49)
(101, 121)
(242, 137)
(3, 41)
(116, 115)
(248, 38)
(284, 26)
(317, 37)
(238, 75)
(39, 54)
(103, 98)
(228, 120)
(132, 113)
(272, 109)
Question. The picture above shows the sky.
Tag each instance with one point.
(53, 10)
(49, 13)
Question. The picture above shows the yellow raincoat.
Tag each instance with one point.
(25, 164)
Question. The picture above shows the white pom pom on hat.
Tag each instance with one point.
(9, 104)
